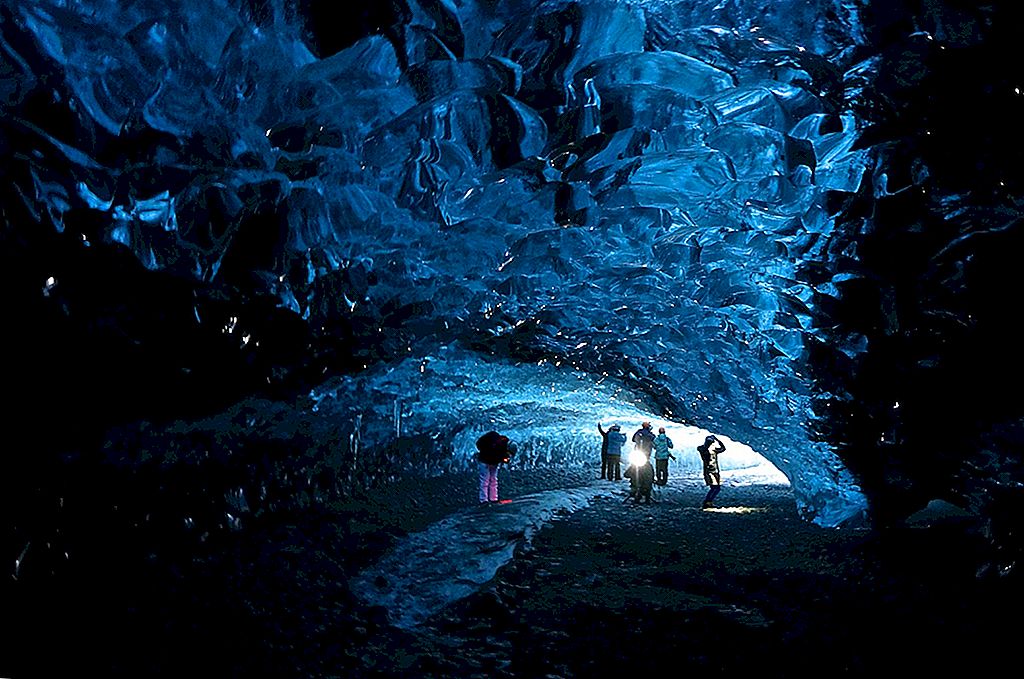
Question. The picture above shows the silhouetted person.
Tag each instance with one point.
(616, 439)
(643, 439)
(662, 444)
(604, 452)
(641, 481)
(709, 451)
(494, 449)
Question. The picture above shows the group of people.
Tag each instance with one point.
(643, 476)
(494, 449)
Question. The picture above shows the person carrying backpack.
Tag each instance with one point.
(493, 450)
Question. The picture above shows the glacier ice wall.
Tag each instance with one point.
(640, 190)
(746, 215)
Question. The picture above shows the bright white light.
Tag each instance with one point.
(736, 510)
(637, 457)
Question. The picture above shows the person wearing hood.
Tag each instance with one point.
(709, 451)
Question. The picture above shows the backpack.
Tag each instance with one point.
(494, 448)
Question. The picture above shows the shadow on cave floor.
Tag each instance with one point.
(604, 589)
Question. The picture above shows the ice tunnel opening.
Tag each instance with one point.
(550, 411)
(562, 428)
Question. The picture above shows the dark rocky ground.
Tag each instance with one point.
(609, 589)
(751, 587)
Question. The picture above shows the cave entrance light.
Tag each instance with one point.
(555, 420)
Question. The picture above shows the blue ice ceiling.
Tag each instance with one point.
(606, 198)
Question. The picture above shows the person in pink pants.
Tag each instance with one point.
(493, 450)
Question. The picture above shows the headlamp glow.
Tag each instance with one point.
(637, 457)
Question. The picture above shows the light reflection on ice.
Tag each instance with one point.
(456, 556)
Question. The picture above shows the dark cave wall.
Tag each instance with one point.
(929, 409)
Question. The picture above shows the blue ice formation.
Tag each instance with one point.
(634, 191)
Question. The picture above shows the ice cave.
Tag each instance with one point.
(271, 261)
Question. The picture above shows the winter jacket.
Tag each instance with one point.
(642, 476)
(644, 439)
(661, 445)
(616, 439)
(604, 440)
(493, 448)
(709, 455)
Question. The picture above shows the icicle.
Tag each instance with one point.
(398, 418)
